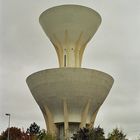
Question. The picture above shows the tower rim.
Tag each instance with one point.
(70, 28)
(69, 68)
(70, 5)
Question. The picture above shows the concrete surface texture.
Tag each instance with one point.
(70, 27)
(69, 96)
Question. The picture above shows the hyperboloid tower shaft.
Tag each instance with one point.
(70, 28)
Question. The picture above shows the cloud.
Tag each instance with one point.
(114, 49)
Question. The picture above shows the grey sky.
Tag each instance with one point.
(24, 49)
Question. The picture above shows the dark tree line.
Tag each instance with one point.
(98, 134)
(32, 133)
(35, 133)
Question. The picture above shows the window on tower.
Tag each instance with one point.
(65, 59)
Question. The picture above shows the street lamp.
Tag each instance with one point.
(9, 115)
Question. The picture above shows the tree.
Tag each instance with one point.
(44, 136)
(34, 129)
(117, 134)
(82, 134)
(15, 134)
(99, 133)
(87, 133)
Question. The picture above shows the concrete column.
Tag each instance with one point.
(66, 125)
(50, 122)
(85, 114)
(93, 118)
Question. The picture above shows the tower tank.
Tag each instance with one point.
(69, 96)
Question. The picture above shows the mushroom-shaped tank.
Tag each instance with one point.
(69, 96)
(70, 27)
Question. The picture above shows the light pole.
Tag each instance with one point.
(9, 115)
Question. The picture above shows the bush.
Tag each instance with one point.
(89, 134)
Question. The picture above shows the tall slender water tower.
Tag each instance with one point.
(69, 96)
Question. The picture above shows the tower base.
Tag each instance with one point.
(73, 127)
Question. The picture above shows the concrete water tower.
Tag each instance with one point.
(70, 96)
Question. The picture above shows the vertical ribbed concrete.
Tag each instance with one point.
(69, 28)
(69, 97)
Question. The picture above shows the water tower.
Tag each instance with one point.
(69, 96)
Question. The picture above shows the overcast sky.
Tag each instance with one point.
(115, 49)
